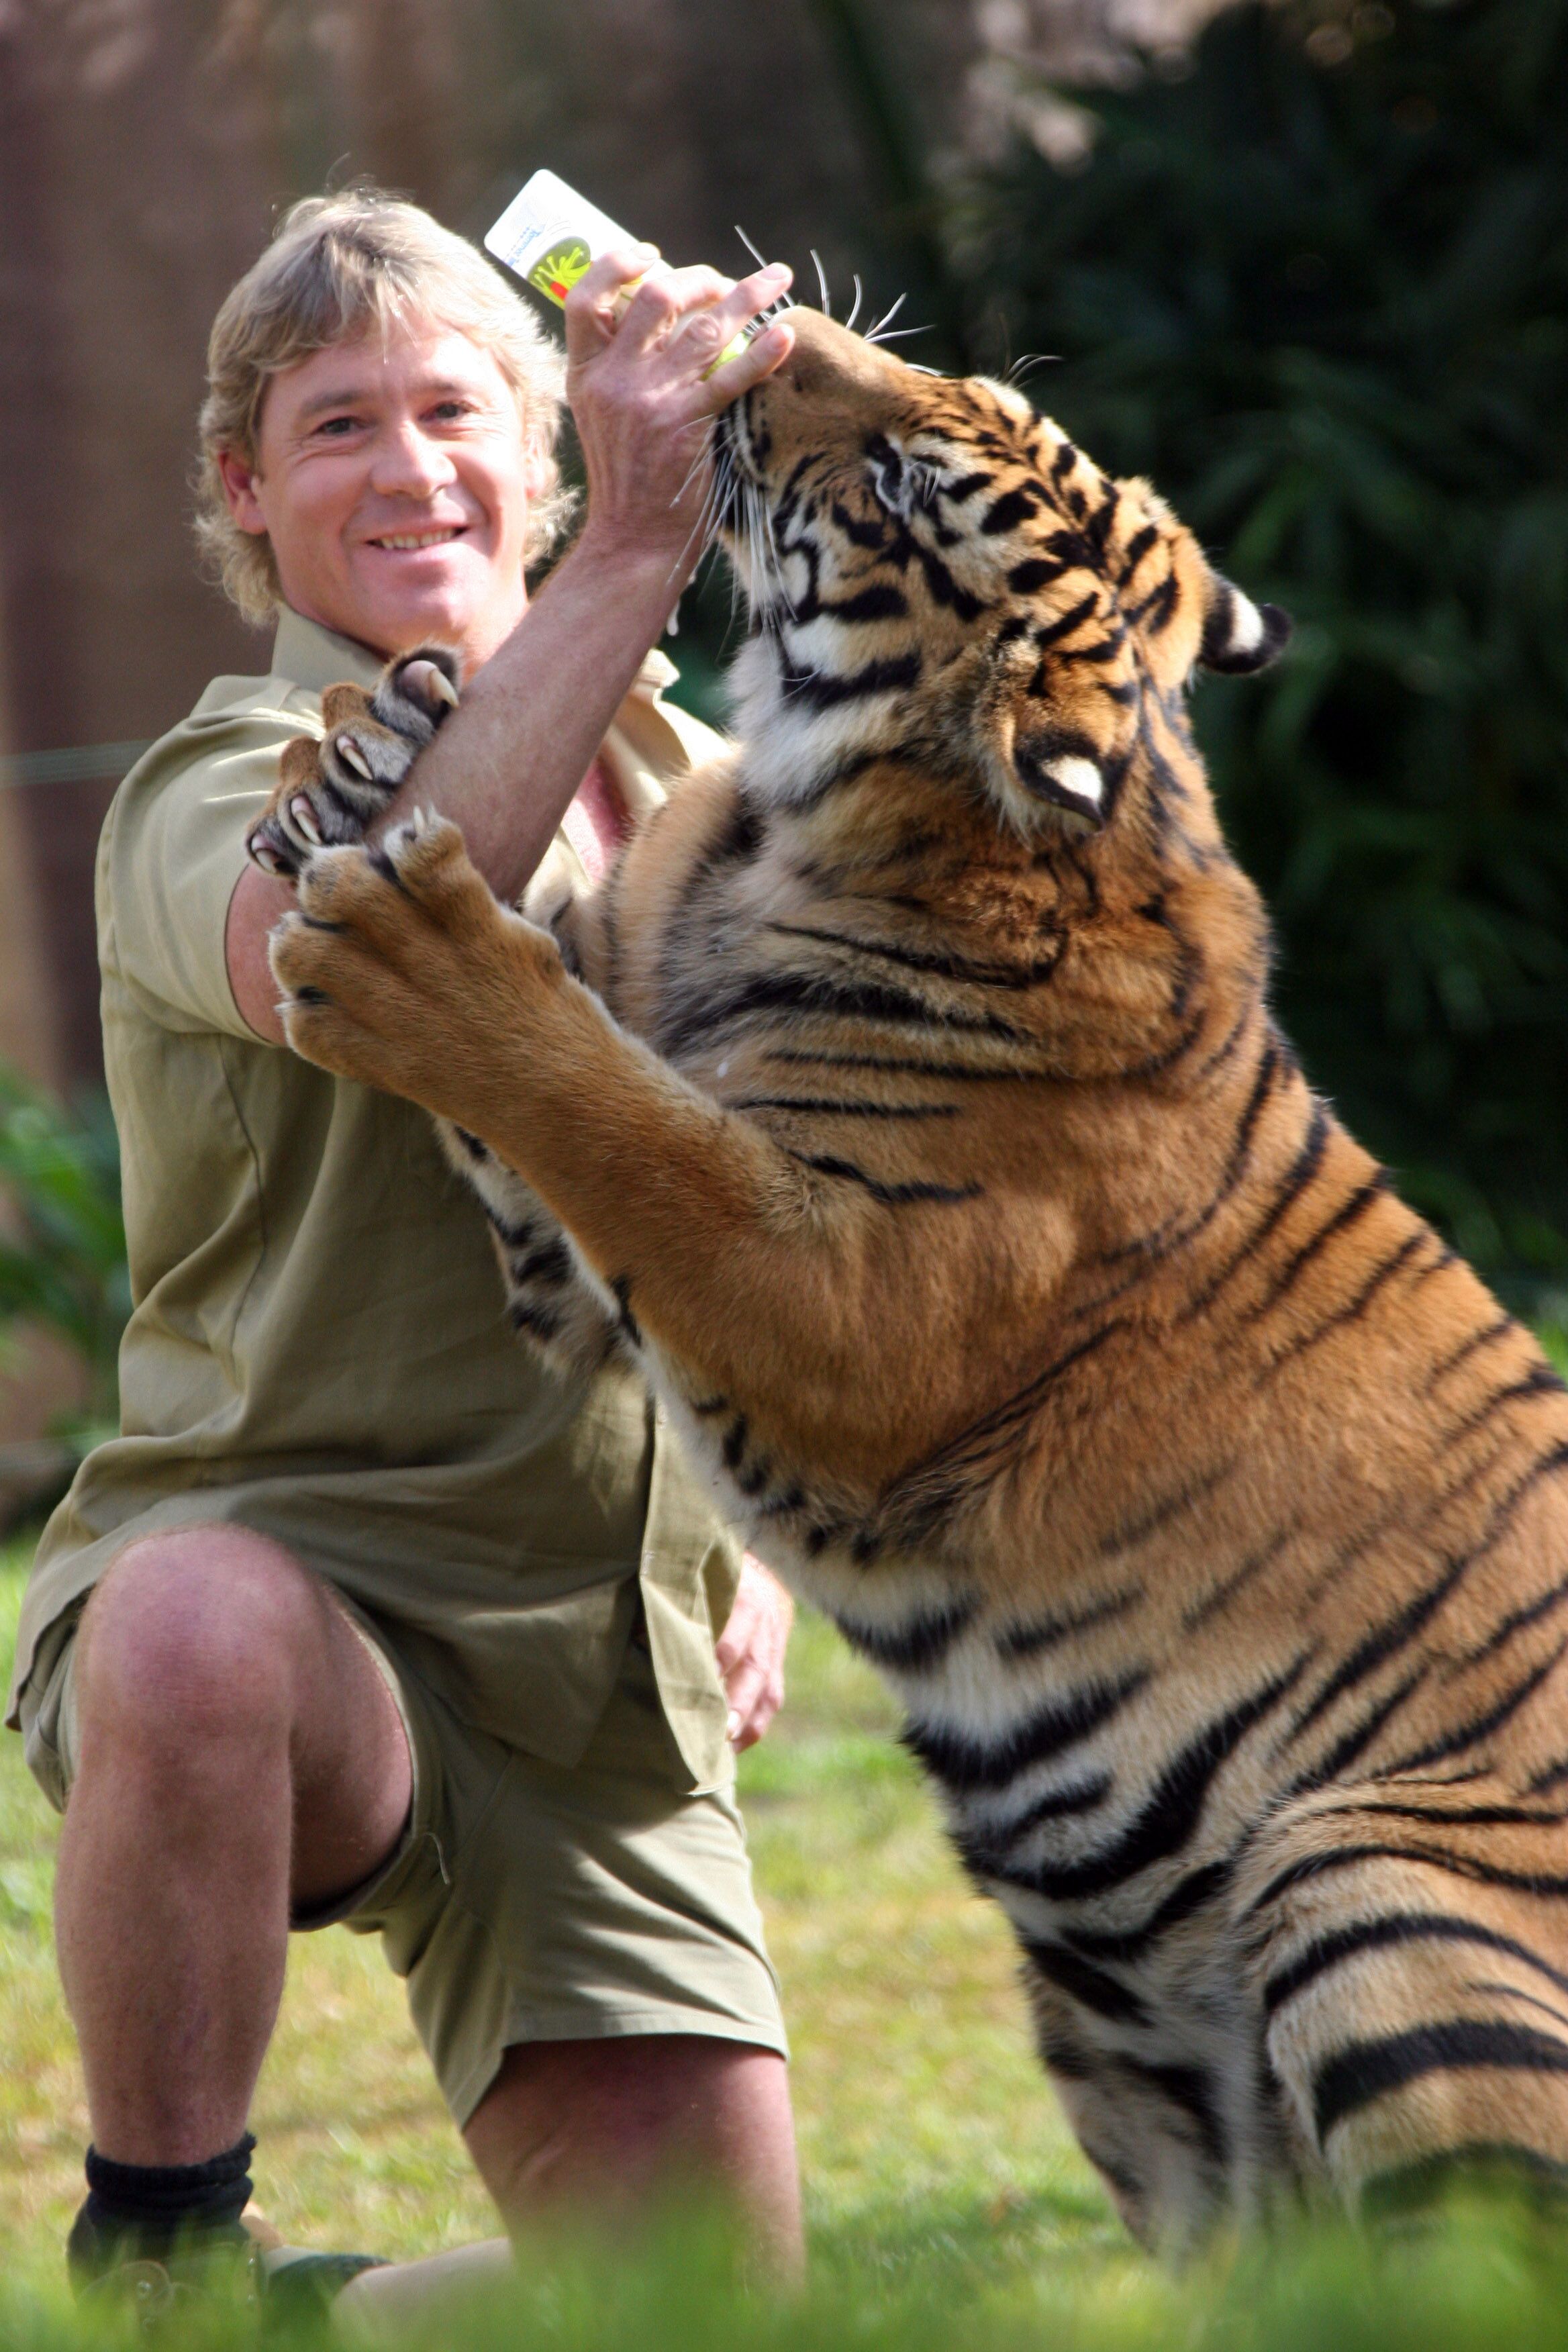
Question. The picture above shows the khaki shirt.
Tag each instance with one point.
(318, 1348)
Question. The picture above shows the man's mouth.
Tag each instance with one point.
(402, 541)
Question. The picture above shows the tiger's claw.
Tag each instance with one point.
(349, 751)
(260, 851)
(428, 683)
(331, 792)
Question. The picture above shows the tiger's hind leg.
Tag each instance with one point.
(1410, 1941)
(1150, 2130)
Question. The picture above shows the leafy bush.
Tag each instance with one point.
(1319, 291)
(62, 1256)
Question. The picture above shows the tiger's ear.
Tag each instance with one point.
(1036, 761)
(1237, 633)
(1051, 767)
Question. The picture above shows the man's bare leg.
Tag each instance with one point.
(240, 1755)
(239, 1752)
(598, 2135)
(607, 2130)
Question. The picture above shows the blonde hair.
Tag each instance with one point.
(338, 268)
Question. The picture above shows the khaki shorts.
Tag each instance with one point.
(535, 1902)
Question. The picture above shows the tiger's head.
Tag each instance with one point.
(934, 570)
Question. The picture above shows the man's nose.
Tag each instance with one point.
(409, 464)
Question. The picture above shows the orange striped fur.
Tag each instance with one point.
(908, 1103)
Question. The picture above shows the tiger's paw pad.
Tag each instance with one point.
(330, 793)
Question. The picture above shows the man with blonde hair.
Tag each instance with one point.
(364, 1617)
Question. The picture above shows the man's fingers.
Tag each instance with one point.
(754, 1697)
(739, 1631)
(765, 352)
(637, 387)
(751, 1652)
(710, 332)
(636, 300)
(755, 1693)
(749, 296)
(684, 319)
(594, 304)
(664, 300)
(741, 299)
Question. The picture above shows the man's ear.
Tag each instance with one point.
(1237, 633)
(238, 481)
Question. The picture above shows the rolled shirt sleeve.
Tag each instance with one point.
(171, 855)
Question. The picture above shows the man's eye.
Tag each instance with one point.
(334, 428)
(447, 412)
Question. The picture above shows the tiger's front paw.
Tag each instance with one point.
(331, 792)
(399, 968)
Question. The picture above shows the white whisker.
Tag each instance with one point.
(822, 283)
(855, 313)
(693, 472)
(886, 320)
(692, 538)
(758, 552)
(717, 498)
(897, 334)
(750, 248)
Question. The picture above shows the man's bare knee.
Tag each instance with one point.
(196, 1633)
(222, 1681)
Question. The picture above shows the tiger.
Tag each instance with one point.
(908, 1104)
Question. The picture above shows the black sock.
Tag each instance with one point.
(137, 2212)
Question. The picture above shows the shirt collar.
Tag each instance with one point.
(313, 657)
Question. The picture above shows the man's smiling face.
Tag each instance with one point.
(392, 479)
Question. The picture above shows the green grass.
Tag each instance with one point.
(948, 2205)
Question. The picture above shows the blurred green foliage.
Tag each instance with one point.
(62, 1245)
(1318, 291)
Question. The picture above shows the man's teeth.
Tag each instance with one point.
(416, 539)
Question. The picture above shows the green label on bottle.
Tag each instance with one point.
(556, 272)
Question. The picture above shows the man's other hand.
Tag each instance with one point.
(751, 1652)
